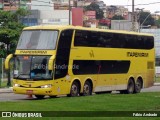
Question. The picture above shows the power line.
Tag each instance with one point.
(149, 3)
(141, 4)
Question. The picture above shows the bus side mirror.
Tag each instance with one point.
(50, 62)
(7, 61)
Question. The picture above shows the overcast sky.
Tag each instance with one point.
(152, 7)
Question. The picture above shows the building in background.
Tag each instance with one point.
(117, 10)
(32, 19)
(90, 19)
(62, 4)
(42, 5)
(55, 17)
(77, 16)
(9, 5)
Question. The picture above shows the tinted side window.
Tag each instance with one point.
(112, 40)
(114, 67)
(86, 38)
(101, 67)
(85, 67)
(149, 42)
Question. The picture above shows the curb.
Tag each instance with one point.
(156, 84)
(6, 90)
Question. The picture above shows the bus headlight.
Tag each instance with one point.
(46, 86)
(16, 85)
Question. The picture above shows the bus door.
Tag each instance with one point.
(62, 61)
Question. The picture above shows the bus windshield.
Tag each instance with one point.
(37, 40)
(32, 67)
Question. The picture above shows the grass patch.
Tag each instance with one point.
(104, 102)
(4, 84)
(157, 79)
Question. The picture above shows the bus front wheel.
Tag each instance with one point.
(87, 89)
(75, 90)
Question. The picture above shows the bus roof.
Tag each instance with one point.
(62, 27)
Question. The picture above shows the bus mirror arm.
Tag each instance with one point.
(7, 61)
(50, 62)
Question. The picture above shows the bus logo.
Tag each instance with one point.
(91, 53)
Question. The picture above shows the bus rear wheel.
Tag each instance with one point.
(138, 86)
(39, 96)
(87, 89)
(130, 87)
(75, 90)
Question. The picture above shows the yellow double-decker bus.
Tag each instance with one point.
(57, 60)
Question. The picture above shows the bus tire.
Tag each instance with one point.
(87, 89)
(138, 86)
(130, 86)
(39, 96)
(75, 90)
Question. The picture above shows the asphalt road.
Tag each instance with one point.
(8, 95)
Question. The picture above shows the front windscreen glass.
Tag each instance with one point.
(37, 40)
(32, 67)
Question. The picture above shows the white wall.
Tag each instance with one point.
(57, 17)
(42, 5)
(122, 25)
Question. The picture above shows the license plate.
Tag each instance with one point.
(29, 91)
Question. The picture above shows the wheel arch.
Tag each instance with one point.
(132, 78)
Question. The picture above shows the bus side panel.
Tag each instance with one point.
(150, 74)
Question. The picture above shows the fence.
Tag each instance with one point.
(4, 74)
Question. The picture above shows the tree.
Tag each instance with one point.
(95, 7)
(157, 23)
(146, 19)
(117, 17)
(10, 29)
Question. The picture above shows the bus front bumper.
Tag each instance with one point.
(33, 91)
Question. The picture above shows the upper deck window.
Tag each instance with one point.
(37, 40)
(112, 40)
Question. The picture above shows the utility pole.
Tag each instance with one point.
(133, 17)
(19, 2)
(69, 12)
